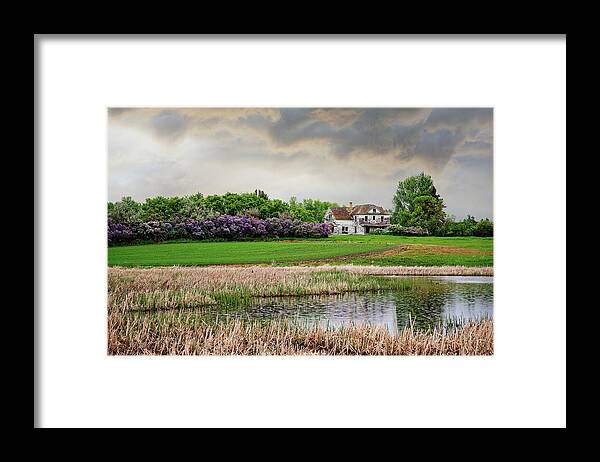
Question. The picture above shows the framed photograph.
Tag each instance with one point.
(300, 231)
(202, 263)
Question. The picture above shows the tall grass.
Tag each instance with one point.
(150, 311)
(192, 287)
(178, 336)
(415, 270)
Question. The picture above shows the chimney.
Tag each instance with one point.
(350, 205)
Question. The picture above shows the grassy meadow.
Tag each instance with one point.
(368, 249)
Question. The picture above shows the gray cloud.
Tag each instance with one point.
(116, 111)
(433, 135)
(338, 154)
(170, 124)
(459, 117)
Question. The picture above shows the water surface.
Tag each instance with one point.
(427, 302)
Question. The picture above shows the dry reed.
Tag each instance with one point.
(183, 288)
(147, 336)
(191, 287)
(416, 270)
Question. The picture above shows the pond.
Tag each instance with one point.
(426, 302)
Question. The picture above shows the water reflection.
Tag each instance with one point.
(427, 302)
(376, 309)
(440, 302)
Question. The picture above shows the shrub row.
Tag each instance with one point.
(398, 230)
(219, 227)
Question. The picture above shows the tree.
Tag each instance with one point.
(125, 211)
(295, 210)
(408, 190)
(195, 207)
(161, 208)
(214, 203)
(316, 209)
(272, 208)
(428, 213)
(309, 210)
(484, 228)
(261, 193)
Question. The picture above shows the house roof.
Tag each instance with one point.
(363, 209)
(341, 213)
(344, 213)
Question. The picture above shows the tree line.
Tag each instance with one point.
(418, 209)
(199, 207)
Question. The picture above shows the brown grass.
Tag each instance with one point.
(418, 270)
(147, 336)
(259, 277)
(178, 289)
(190, 287)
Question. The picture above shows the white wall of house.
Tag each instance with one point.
(347, 227)
(372, 217)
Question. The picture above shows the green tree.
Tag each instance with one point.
(316, 209)
(261, 193)
(407, 192)
(468, 225)
(124, 211)
(309, 210)
(296, 211)
(162, 209)
(484, 228)
(195, 207)
(214, 203)
(428, 212)
(273, 208)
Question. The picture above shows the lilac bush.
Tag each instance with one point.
(119, 233)
(218, 227)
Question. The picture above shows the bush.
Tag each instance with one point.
(467, 227)
(379, 231)
(398, 230)
(119, 233)
(220, 227)
(484, 228)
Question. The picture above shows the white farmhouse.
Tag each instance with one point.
(357, 219)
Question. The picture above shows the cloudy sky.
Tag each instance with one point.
(338, 155)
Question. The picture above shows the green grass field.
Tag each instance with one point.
(366, 249)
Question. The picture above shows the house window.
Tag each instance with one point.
(344, 230)
(374, 210)
(366, 218)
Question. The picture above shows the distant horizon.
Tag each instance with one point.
(333, 155)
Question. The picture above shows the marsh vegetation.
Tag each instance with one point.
(302, 309)
(180, 335)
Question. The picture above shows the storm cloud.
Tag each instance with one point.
(336, 154)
